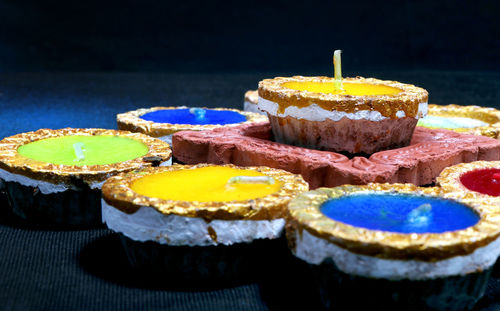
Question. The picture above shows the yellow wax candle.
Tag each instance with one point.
(338, 114)
(205, 184)
(349, 88)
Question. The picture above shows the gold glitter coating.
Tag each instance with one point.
(12, 161)
(304, 214)
(132, 121)
(117, 192)
(407, 100)
(487, 115)
(252, 97)
(449, 181)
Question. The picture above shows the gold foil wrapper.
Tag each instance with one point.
(252, 97)
(12, 161)
(407, 100)
(132, 121)
(117, 192)
(304, 214)
(487, 115)
(449, 181)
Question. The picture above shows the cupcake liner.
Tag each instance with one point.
(73, 207)
(240, 262)
(345, 135)
(289, 285)
(339, 290)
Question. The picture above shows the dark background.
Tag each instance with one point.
(289, 37)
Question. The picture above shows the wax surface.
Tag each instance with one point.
(356, 89)
(485, 181)
(207, 184)
(396, 213)
(183, 116)
(97, 150)
(450, 122)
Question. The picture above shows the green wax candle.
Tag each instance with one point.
(84, 150)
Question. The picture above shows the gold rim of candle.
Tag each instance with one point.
(485, 114)
(304, 214)
(12, 161)
(449, 181)
(117, 192)
(132, 121)
(407, 100)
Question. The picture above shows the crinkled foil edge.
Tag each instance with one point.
(132, 121)
(252, 96)
(485, 114)
(449, 181)
(304, 214)
(12, 161)
(407, 100)
(118, 193)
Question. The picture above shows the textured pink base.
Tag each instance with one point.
(429, 152)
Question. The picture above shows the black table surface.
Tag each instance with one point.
(47, 269)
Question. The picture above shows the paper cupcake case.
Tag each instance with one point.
(344, 134)
(449, 293)
(67, 208)
(219, 265)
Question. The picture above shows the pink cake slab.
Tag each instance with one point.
(429, 152)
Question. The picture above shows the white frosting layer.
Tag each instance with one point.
(251, 107)
(46, 187)
(315, 250)
(316, 113)
(147, 224)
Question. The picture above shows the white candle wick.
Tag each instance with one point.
(198, 113)
(420, 215)
(79, 147)
(250, 180)
(337, 65)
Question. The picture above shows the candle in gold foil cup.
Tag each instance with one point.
(397, 244)
(163, 122)
(54, 177)
(466, 119)
(224, 213)
(352, 115)
(476, 181)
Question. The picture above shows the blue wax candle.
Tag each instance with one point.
(401, 213)
(194, 116)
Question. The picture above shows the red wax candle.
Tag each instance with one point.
(485, 181)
